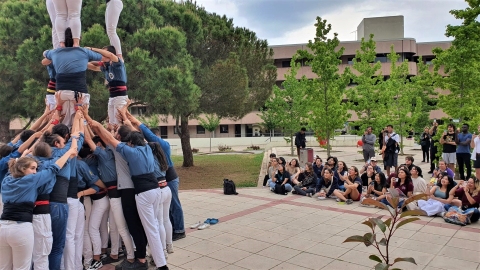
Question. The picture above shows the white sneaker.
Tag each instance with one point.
(95, 265)
(203, 226)
(170, 248)
(166, 254)
(194, 226)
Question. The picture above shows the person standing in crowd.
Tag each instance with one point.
(390, 149)
(448, 140)
(381, 138)
(463, 140)
(475, 144)
(425, 143)
(368, 140)
(433, 148)
(300, 140)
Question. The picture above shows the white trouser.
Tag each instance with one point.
(53, 14)
(147, 205)
(16, 245)
(68, 107)
(67, 10)
(42, 241)
(116, 214)
(114, 235)
(99, 209)
(114, 104)
(87, 243)
(166, 230)
(104, 228)
(51, 102)
(112, 14)
(1, 204)
(72, 254)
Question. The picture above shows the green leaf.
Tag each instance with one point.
(368, 239)
(381, 266)
(388, 222)
(406, 221)
(355, 238)
(417, 197)
(379, 223)
(375, 258)
(416, 212)
(378, 204)
(407, 259)
(369, 224)
(383, 242)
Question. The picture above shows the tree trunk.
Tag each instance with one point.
(210, 141)
(5, 130)
(185, 140)
(291, 145)
(328, 144)
(401, 145)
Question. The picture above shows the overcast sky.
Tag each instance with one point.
(292, 21)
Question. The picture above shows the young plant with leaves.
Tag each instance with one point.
(387, 228)
(326, 109)
(210, 123)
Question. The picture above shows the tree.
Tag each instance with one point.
(365, 98)
(286, 107)
(327, 111)
(424, 81)
(210, 123)
(461, 65)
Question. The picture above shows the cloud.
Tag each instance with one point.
(292, 21)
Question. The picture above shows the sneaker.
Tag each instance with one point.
(338, 200)
(121, 252)
(271, 189)
(165, 253)
(294, 192)
(178, 236)
(95, 265)
(203, 226)
(137, 265)
(309, 195)
(103, 256)
(123, 264)
(165, 267)
(170, 248)
(349, 201)
(109, 260)
(194, 226)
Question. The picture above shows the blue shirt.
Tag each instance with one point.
(115, 71)
(157, 171)
(25, 189)
(150, 137)
(16, 145)
(106, 164)
(68, 169)
(86, 178)
(51, 71)
(4, 164)
(92, 162)
(465, 149)
(43, 164)
(140, 158)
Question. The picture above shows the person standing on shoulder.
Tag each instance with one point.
(463, 141)
(448, 140)
(368, 140)
(300, 140)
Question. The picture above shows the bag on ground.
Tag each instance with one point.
(229, 187)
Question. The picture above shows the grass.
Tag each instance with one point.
(210, 170)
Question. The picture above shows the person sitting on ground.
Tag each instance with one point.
(282, 177)
(419, 184)
(368, 176)
(281, 160)
(307, 182)
(293, 167)
(403, 183)
(331, 163)
(353, 185)
(377, 189)
(468, 195)
(373, 162)
(272, 170)
(438, 196)
(330, 182)
(341, 173)
(442, 168)
(318, 166)
(409, 162)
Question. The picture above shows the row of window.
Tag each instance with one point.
(201, 130)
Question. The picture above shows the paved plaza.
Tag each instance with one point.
(262, 230)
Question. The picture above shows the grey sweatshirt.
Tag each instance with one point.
(369, 141)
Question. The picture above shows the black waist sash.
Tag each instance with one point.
(112, 189)
(42, 205)
(171, 174)
(18, 211)
(60, 189)
(144, 182)
(73, 188)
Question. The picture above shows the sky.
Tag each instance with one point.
(292, 21)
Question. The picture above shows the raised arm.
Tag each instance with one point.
(92, 66)
(32, 138)
(105, 53)
(106, 136)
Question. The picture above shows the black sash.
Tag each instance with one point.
(18, 211)
(60, 189)
(171, 174)
(144, 182)
(42, 205)
(73, 188)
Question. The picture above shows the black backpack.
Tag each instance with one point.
(280, 189)
(229, 187)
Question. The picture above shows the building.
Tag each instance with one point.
(387, 31)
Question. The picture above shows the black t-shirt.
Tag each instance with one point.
(448, 148)
(281, 177)
(378, 186)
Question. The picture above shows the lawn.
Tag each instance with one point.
(210, 170)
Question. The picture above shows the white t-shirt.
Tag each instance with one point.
(395, 137)
(476, 149)
(419, 185)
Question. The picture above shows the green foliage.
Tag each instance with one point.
(365, 98)
(286, 108)
(210, 123)
(324, 94)
(397, 219)
(461, 65)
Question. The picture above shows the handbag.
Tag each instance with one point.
(457, 216)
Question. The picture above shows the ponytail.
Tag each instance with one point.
(16, 166)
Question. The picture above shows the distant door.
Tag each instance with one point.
(163, 132)
(238, 130)
(249, 130)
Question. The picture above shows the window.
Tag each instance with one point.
(175, 130)
(138, 110)
(350, 60)
(286, 63)
(381, 59)
(223, 128)
(163, 132)
(200, 130)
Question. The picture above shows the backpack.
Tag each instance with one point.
(229, 187)
(280, 189)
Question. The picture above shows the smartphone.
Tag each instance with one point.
(397, 179)
(435, 120)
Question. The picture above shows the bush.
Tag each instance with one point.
(254, 147)
(224, 148)
(195, 150)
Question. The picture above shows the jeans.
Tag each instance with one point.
(288, 187)
(475, 216)
(385, 201)
(302, 192)
(464, 159)
(59, 215)
(426, 153)
(176, 211)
